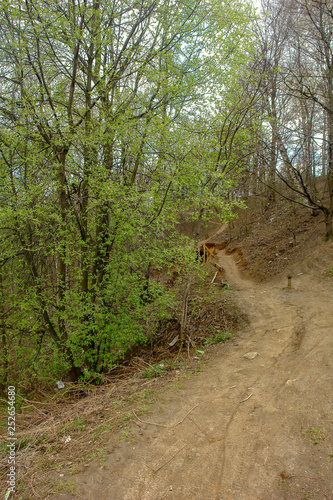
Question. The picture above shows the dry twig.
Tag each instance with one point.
(214, 278)
(246, 398)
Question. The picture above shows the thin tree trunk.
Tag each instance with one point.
(184, 313)
(3, 344)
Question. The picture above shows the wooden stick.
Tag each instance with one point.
(246, 398)
(163, 425)
(214, 278)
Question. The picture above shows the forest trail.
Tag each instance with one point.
(258, 428)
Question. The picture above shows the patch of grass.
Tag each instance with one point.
(144, 409)
(310, 495)
(155, 371)
(133, 398)
(330, 271)
(26, 441)
(315, 434)
(96, 434)
(63, 429)
(116, 405)
(127, 435)
(128, 417)
(68, 487)
(148, 395)
(219, 337)
(79, 424)
(45, 463)
(97, 453)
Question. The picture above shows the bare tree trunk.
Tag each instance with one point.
(329, 216)
(324, 155)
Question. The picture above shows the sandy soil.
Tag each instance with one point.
(259, 428)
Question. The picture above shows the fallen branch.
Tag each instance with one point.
(164, 425)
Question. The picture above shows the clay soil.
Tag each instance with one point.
(253, 420)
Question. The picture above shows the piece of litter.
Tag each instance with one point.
(174, 341)
(251, 355)
(61, 475)
(60, 385)
(200, 352)
(250, 388)
(67, 439)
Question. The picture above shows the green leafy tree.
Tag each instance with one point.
(98, 159)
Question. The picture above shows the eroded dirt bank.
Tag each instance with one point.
(257, 428)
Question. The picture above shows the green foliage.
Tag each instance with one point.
(101, 150)
(96, 434)
(155, 371)
(219, 337)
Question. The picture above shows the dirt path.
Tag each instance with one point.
(250, 425)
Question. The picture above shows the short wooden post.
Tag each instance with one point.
(289, 281)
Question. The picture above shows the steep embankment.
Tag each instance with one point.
(251, 426)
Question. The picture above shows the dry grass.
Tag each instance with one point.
(68, 430)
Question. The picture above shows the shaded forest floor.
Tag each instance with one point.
(247, 418)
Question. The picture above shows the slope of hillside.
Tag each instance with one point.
(248, 419)
(274, 239)
(256, 424)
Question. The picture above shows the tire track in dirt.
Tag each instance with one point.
(275, 312)
(265, 317)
